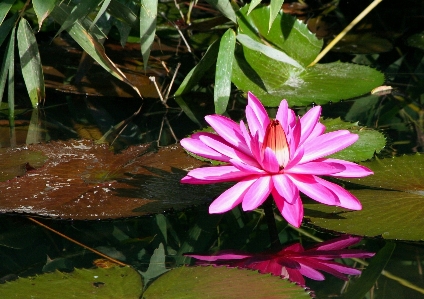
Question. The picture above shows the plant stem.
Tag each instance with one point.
(270, 220)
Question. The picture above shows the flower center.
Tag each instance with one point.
(275, 139)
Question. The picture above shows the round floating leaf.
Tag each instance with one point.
(272, 80)
(222, 282)
(369, 142)
(393, 209)
(115, 282)
(83, 180)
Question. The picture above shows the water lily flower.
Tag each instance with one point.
(280, 156)
(293, 262)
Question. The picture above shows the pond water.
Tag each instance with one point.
(124, 198)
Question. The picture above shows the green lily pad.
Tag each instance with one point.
(272, 80)
(222, 282)
(370, 141)
(115, 282)
(392, 201)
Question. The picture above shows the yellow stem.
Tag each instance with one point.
(346, 30)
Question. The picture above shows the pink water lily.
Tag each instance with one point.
(280, 156)
(293, 262)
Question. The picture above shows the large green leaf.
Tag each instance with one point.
(392, 201)
(30, 63)
(148, 15)
(5, 6)
(115, 282)
(369, 141)
(224, 67)
(221, 282)
(272, 80)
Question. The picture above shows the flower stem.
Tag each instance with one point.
(270, 220)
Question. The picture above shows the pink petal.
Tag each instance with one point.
(310, 272)
(311, 187)
(246, 134)
(282, 115)
(229, 130)
(270, 163)
(285, 188)
(327, 144)
(315, 168)
(293, 213)
(294, 275)
(294, 137)
(219, 256)
(257, 193)
(309, 121)
(217, 143)
(231, 197)
(346, 199)
(338, 243)
(318, 130)
(351, 170)
(197, 147)
(246, 168)
(257, 117)
(216, 174)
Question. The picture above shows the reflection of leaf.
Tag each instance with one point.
(156, 265)
(393, 208)
(222, 282)
(81, 180)
(98, 283)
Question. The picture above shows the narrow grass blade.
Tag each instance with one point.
(148, 15)
(42, 9)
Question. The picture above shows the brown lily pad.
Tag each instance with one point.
(84, 181)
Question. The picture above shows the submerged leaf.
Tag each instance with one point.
(222, 282)
(391, 206)
(82, 180)
(116, 282)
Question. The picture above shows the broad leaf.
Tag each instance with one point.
(82, 180)
(115, 282)
(30, 63)
(222, 282)
(391, 205)
(369, 142)
(224, 65)
(42, 9)
(148, 15)
(271, 79)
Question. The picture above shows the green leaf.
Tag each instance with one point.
(274, 9)
(82, 9)
(270, 52)
(148, 15)
(11, 79)
(369, 142)
(5, 6)
(7, 26)
(417, 40)
(100, 12)
(90, 45)
(42, 9)
(393, 209)
(225, 7)
(222, 282)
(6, 63)
(286, 34)
(253, 4)
(271, 80)
(115, 282)
(224, 67)
(199, 70)
(371, 273)
(123, 13)
(30, 63)
(156, 265)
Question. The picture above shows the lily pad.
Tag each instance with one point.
(272, 80)
(83, 180)
(370, 141)
(115, 282)
(222, 282)
(392, 201)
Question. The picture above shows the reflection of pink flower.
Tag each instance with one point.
(293, 262)
(274, 156)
